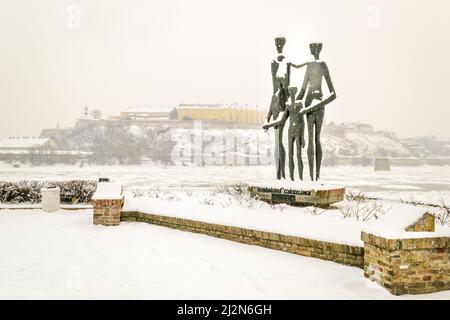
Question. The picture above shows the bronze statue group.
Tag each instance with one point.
(287, 104)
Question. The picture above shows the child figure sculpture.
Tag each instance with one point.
(296, 131)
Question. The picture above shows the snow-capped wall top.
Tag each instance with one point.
(393, 225)
(108, 190)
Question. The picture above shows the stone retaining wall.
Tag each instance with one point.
(340, 253)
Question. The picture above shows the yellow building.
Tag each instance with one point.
(221, 112)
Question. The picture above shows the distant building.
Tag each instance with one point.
(358, 127)
(446, 150)
(26, 145)
(145, 114)
(387, 134)
(418, 151)
(221, 112)
(55, 133)
(334, 129)
(212, 115)
(37, 150)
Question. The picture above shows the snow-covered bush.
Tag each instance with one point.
(237, 194)
(75, 191)
(72, 191)
(315, 211)
(224, 196)
(361, 207)
(156, 193)
(188, 192)
(442, 214)
(441, 211)
(138, 193)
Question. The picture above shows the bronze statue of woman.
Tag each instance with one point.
(280, 82)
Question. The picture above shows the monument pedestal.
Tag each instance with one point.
(298, 194)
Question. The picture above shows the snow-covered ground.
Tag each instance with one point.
(424, 183)
(64, 255)
(319, 224)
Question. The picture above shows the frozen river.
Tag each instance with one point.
(424, 183)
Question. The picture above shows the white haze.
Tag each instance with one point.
(388, 59)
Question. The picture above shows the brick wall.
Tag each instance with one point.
(407, 266)
(107, 211)
(341, 253)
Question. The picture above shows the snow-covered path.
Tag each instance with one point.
(64, 256)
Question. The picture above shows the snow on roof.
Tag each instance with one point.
(24, 142)
(53, 152)
(218, 105)
(295, 185)
(146, 110)
(88, 117)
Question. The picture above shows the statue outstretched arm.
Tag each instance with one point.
(274, 68)
(318, 105)
(304, 85)
(302, 138)
(284, 116)
(290, 64)
(269, 114)
(328, 79)
(330, 98)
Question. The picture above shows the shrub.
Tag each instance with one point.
(443, 213)
(72, 191)
(361, 207)
(441, 210)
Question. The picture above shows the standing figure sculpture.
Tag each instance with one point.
(280, 82)
(312, 86)
(295, 133)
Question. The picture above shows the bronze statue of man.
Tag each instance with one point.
(315, 105)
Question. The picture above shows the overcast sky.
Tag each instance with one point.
(388, 59)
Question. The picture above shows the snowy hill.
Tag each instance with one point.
(131, 142)
(357, 144)
(255, 143)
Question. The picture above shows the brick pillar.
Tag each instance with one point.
(107, 201)
(408, 266)
(107, 211)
